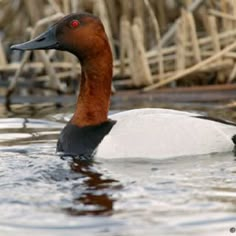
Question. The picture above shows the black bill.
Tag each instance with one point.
(46, 40)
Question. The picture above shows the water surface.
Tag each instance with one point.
(42, 194)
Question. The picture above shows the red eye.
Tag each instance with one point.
(74, 23)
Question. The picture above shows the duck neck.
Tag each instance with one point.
(95, 90)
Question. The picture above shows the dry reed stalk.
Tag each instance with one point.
(86, 5)
(37, 66)
(74, 6)
(61, 75)
(222, 37)
(227, 24)
(223, 65)
(55, 6)
(212, 3)
(26, 55)
(13, 82)
(203, 42)
(215, 42)
(66, 6)
(139, 17)
(3, 60)
(6, 13)
(126, 45)
(51, 53)
(74, 63)
(233, 3)
(101, 9)
(217, 66)
(31, 6)
(131, 55)
(169, 53)
(158, 38)
(213, 67)
(127, 83)
(170, 66)
(157, 78)
(45, 21)
(124, 37)
(33, 15)
(170, 33)
(232, 75)
(187, 3)
(142, 66)
(221, 15)
(162, 18)
(185, 52)
(191, 69)
(113, 16)
(181, 38)
(202, 14)
(54, 81)
(138, 9)
(125, 9)
(214, 34)
(138, 21)
(231, 55)
(194, 38)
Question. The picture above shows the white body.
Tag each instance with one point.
(163, 133)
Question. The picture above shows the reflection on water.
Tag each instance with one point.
(96, 197)
(42, 194)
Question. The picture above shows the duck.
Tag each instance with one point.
(139, 133)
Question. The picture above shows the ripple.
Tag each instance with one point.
(43, 194)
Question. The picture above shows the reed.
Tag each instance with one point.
(154, 43)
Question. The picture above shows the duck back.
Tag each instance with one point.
(163, 133)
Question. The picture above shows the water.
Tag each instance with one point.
(41, 194)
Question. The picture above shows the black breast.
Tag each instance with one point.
(82, 141)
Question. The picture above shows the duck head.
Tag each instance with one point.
(81, 34)
(84, 36)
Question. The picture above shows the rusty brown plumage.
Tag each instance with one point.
(91, 46)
